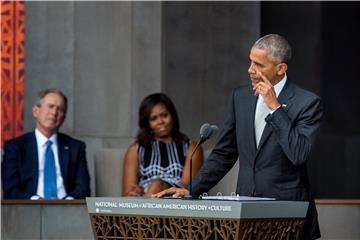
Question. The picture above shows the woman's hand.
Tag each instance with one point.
(135, 191)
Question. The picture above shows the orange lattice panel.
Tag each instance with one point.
(12, 69)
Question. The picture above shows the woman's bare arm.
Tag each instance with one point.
(130, 185)
(197, 161)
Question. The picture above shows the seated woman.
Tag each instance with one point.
(159, 158)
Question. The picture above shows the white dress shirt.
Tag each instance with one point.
(41, 145)
(262, 110)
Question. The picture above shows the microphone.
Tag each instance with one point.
(206, 132)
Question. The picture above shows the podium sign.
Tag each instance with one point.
(147, 218)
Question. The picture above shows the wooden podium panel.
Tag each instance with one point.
(146, 218)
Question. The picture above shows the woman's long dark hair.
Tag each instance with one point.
(145, 135)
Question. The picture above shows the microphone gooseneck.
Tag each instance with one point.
(206, 132)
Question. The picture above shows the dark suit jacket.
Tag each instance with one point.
(277, 168)
(20, 167)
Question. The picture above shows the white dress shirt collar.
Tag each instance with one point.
(280, 85)
(41, 139)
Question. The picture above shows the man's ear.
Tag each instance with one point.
(282, 68)
(35, 111)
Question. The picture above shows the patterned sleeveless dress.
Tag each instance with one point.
(164, 161)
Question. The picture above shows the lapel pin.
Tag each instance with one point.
(284, 105)
(66, 147)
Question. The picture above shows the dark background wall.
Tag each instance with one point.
(326, 37)
(205, 55)
(325, 40)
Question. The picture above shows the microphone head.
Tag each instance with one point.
(207, 131)
(215, 130)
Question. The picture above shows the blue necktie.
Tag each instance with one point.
(50, 189)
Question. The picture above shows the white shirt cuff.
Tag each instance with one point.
(272, 111)
(35, 197)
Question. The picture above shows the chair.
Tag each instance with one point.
(108, 172)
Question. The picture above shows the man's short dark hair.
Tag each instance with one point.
(45, 92)
(277, 46)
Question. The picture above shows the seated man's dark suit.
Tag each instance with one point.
(277, 168)
(20, 167)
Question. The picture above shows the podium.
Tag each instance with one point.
(147, 218)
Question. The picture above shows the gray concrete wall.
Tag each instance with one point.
(106, 56)
(24, 221)
(206, 55)
(49, 55)
(339, 222)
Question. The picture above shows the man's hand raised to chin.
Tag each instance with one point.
(266, 90)
(173, 192)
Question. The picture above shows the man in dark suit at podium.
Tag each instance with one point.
(271, 128)
(46, 164)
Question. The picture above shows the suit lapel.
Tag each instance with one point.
(284, 99)
(245, 111)
(251, 120)
(33, 156)
(64, 157)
